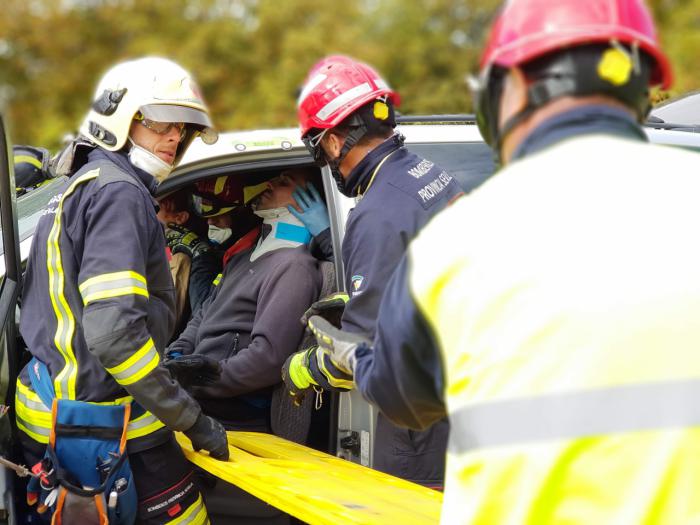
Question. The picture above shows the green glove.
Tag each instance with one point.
(330, 307)
(296, 376)
(340, 345)
(181, 240)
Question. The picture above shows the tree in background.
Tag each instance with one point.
(250, 56)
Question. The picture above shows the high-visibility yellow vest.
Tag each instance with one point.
(565, 296)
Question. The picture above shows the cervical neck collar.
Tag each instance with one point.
(286, 232)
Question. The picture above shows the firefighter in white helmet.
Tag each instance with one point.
(98, 309)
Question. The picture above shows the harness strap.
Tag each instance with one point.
(43, 386)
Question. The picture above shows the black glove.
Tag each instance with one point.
(193, 370)
(330, 308)
(181, 240)
(208, 434)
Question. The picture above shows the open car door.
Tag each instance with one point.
(10, 283)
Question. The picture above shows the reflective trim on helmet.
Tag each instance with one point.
(343, 99)
(379, 82)
(310, 85)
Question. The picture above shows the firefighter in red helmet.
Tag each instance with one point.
(559, 331)
(346, 116)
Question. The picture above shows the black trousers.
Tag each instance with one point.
(165, 483)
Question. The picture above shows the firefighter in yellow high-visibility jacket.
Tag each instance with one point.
(553, 313)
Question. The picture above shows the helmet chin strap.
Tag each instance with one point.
(149, 162)
(351, 139)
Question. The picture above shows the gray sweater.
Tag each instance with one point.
(250, 324)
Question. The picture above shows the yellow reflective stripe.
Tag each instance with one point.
(196, 514)
(113, 285)
(31, 416)
(64, 382)
(28, 159)
(137, 365)
(143, 425)
(217, 280)
(36, 436)
(35, 419)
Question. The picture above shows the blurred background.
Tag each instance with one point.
(250, 56)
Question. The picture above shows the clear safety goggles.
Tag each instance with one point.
(162, 128)
(313, 144)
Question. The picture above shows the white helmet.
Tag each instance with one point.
(160, 90)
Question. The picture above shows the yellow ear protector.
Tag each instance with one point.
(381, 110)
(615, 66)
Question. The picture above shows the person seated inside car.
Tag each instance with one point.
(185, 234)
(231, 352)
(202, 225)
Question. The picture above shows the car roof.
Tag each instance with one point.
(683, 110)
(239, 143)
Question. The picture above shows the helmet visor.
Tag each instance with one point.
(173, 113)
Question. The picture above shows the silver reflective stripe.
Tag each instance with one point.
(137, 366)
(113, 288)
(30, 403)
(42, 431)
(340, 100)
(631, 408)
(141, 422)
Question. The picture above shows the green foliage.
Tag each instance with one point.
(251, 56)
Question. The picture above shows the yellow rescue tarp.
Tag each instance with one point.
(315, 487)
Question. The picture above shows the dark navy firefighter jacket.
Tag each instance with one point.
(98, 302)
(399, 193)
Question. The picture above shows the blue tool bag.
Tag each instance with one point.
(84, 477)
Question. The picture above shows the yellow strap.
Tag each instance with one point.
(316, 487)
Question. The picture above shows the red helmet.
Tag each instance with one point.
(567, 34)
(527, 29)
(335, 87)
(217, 196)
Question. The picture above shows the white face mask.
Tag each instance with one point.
(149, 162)
(219, 235)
